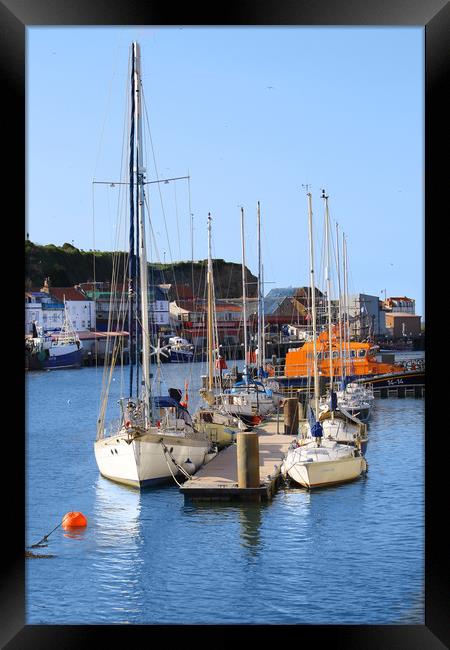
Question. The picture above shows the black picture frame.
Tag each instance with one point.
(434, 15)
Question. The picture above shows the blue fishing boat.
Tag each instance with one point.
(54, 351)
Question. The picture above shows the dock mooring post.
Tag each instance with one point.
(247, 459)
(291, 416)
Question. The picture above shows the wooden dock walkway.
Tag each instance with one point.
(218, 479)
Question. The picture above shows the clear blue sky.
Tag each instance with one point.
(252, 114)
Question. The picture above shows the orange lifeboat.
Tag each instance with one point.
(358, 359)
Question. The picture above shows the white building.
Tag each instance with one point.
(81, 310)
(159, 307)
(366, 316)
(46, 308)
(33, 312)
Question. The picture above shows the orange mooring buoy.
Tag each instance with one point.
(74, 520)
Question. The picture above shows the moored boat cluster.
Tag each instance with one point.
(155, 438)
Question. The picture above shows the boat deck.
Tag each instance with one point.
(218, 479)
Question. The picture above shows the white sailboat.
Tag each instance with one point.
(219, 426)
(153, 438)
(248, 399)
(356, 404)
(314, 460)
(340, 422)
(272, 387)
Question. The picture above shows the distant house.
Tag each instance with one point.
(367, 317)
(400, 305)
(403, 324)
(159, 312)
(283, 311)
(112, 306)
(81, 309)
(33, 311)
(45, 307)
(292, 305)
(189, 319)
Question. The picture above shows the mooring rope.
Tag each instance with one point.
(181, 469)
(45, 537)
(170, 469)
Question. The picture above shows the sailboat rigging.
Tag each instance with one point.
(314, 460)
(248, 399)
(338, 415)
(154, 438)
(217, 424)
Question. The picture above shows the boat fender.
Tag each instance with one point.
(127, 424)
(188, 465)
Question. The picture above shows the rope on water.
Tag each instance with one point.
(45, 537)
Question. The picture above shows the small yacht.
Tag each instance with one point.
(314, 464)
(181, 351)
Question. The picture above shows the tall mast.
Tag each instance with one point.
(140, 171)
(346, 323)
(260, 346)
(263, 326)
(244, 297)
(210, 308)
(328, 281)
(132, 258)
(340, 301)
(313, 305)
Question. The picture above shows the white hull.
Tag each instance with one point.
(246, 404)
(143, 461)
(329, 464)
(328, 472)
(340, 430)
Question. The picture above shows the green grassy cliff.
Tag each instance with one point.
(66, 266)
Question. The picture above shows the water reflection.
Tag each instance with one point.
(250, 516)
(117, 510)
(76, 533)
(118, 559)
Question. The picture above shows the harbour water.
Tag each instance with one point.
(350, 554)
